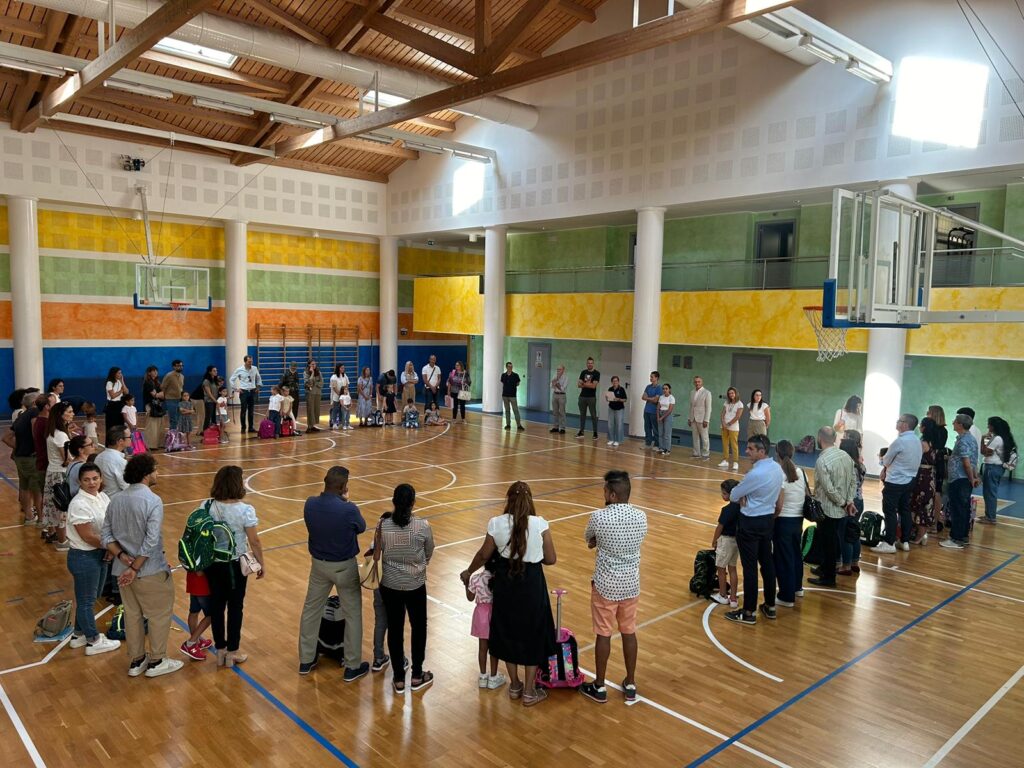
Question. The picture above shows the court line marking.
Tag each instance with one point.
(30, 747)
(650, 621)
(690, 721)
(53, 652)
(848, 665)
(897, 569)
(974, 719)
(283, 708)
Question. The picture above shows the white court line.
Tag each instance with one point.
(897, 569)
(17, 525)
(698, 725)
(56, 649)
(955, 739)
(37, 759)
(650, 621)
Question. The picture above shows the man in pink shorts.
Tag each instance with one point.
(616, 531)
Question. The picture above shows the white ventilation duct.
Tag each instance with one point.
(288, 51)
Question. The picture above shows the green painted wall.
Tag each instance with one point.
(5, 272)
(99, 277)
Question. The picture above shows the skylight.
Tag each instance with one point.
(196, 52)
(383, 99)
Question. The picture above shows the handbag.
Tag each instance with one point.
(465, 394)
(249, 564)
(157, 409)
(370, 568)
(813, 510)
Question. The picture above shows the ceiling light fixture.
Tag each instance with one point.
(196, 52)
(383, 99)
(462, 154)
(864, 72)
(380, 139)
(136, 88)
(815, 48)
(222, 106)
(30, 66)
(296, 121)
(418, 147)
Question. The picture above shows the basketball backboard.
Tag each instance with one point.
(161, 286)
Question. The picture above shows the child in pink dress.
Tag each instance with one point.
(479, 590)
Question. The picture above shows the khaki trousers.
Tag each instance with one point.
(344, 576)
(152, 598)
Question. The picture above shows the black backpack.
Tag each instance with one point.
(331, 638)
(705, 576)
(870, 524)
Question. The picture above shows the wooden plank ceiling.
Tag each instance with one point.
(427, 36)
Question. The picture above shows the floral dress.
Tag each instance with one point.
(922, 493)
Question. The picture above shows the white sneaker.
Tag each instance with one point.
(720, 599)
(496, 681)
(798, 593)
(103, 645)
(883, 548)
(905, 546)
(134, 670)
(950, 544)
(734, 603)
(78, 641)
(482, 680)
(784, 603)
(735, 466)
(610, 443)
(723, 464)
(165, 667)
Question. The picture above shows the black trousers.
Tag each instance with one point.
(896, 505)
(828, 530)
(227, 590)
(247, 401)
(754, 539)
(398, 602)
(430, 396)
(209, 413)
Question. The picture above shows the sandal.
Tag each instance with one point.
(539, 694)
(515, 691)
(426, 679)
(398, 686)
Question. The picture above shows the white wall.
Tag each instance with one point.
(715, 117)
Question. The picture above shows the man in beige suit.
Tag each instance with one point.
(700, 412)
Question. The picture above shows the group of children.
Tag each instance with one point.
(281, 412)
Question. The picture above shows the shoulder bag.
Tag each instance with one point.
(813, 510)
(249, 564)
(370, 568)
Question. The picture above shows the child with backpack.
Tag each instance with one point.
(727, 554)
(130, 413)
(222, 413)
(288, 412)
(478, 590)
(198, 589)
(274, 409)
(410, 415)
(434, 417)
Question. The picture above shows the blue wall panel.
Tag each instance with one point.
(6, 378)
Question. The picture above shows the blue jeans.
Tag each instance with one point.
(650, 428)
(275, 416)
(172, 412)
(616, 425)
(960, 510)
(89, 572)
(850, 550)
(789, 564)
(335, 417)
(665, 434)
(990, 479)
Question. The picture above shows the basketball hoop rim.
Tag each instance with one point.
(818, 308)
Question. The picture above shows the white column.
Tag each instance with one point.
(883, 380)
(236, 295)
(650, 235)
(26, 306)
(389, 304)
(494, 318)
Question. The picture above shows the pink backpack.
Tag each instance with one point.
(175, 441)
(266, 430)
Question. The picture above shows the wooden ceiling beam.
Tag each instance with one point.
(713, 15)
(25, 28)
(352, 25)
(124, 113)
(27, 92)
(13, 78)
(581, 12)
(428, 44)
(352, 104)
(175, 108)
(135, 138)
(212, 70)
(459, 32)
(482, 31)
(133, 42)
(510, 36)
(287, 20)
(331, 170)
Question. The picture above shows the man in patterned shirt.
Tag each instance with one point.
(616, 531)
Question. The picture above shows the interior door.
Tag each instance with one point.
(750, 372)
(538, 377)
(613, 361)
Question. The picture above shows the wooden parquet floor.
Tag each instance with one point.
(883, 672)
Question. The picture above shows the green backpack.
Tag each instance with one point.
(205, 541)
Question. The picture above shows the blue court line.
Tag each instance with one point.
(284, 709)
(839, 670)
(10, 482)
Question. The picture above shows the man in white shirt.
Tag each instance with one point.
(698, 419)
(112, 461)
(616, 532)
(246, 381)
(431, 377)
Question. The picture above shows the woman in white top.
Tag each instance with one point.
(339, 385)
(848, 417)
(789, 525)
(732, 409)
(227, 584)
(116, 389)
(759, 414)
(522, 630)
(409, 379)
(54, 520)
(88, 559)
(666, 405)
(997, 445)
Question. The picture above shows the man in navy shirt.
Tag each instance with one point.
(509, 397)
(333, 524)
(650, 397)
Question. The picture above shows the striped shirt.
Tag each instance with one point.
(405, 553)
(835, 481)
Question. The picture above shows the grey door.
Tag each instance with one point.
(750, 372)
(538, 377)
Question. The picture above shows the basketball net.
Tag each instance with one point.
(179, 311)
(831, 341)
